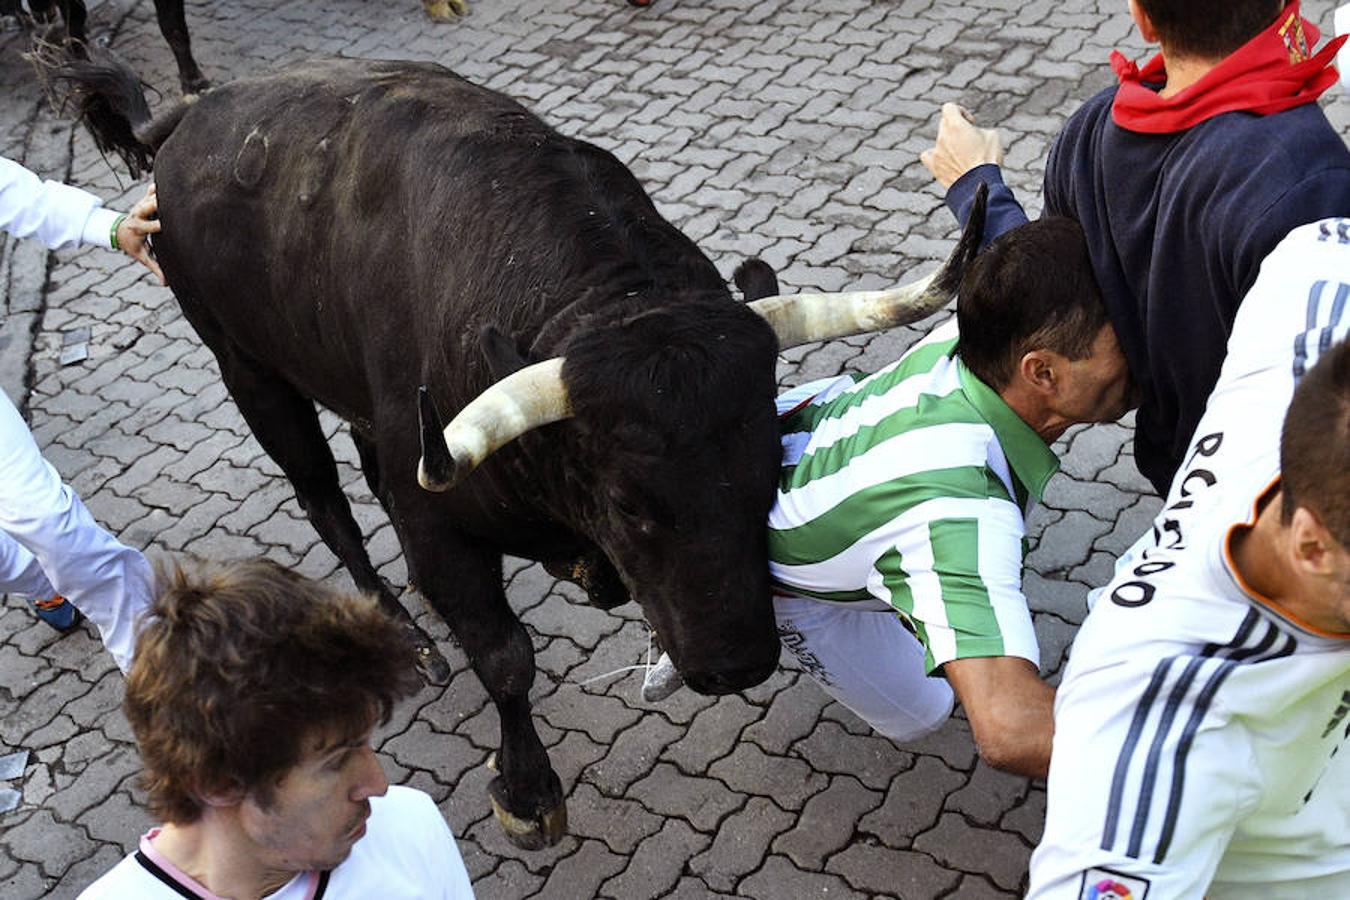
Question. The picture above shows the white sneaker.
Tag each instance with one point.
(661, 680)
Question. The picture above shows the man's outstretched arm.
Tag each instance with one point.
(964, 157)
(1011, 711)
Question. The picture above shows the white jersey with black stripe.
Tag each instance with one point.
(1199, 732)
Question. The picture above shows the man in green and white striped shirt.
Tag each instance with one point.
(897, 538)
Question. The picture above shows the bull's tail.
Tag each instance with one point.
(109, 99)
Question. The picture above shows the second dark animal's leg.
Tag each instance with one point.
(75, 15)
(462, 579)
(173, 25)
(42, 10)
(287, 426)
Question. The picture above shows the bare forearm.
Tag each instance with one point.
(1011, 712)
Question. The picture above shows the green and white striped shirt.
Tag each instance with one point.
(908, 488)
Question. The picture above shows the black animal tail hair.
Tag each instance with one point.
(109, 98)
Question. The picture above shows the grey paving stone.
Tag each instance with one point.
(118, 822)
(989, 795)
(912, 804)
(446, 756)
(25, 883)
(85, 872)
(1028, 818)
(581, 874)
(713, 733)
(790, 782)
(892, 873)
(702, 802)
(976, 887)
(509, 881)
(872, 759)
(657, 863)
(600, 717)
(1001, 856)
(740, 844)
(620, 824)
(631, 755)
(792, 716)
(585, 625)
(50, 844)
(97, 779)
(827, 822)
(1066, 543)
(779, 878)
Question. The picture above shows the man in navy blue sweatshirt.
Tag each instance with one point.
(1184, 177)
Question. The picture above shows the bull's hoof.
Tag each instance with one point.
(531, 834)
(444, 10)
(430, 663)
(194, 87)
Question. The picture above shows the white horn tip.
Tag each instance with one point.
(425, 481)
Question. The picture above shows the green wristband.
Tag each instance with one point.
(112, 232)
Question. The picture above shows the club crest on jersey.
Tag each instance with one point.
(1103, 884)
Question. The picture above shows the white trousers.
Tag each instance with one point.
(863, 656)
(50, 544)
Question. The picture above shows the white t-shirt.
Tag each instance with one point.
(54, 213)
(1197, 729)
(407, 852)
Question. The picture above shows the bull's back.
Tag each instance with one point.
(303, 214)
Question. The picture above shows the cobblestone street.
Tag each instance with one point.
(779, 128)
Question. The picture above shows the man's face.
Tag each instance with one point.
(319, 809)
(1097, 388)
(1334, 593)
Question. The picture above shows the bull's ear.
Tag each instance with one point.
(756, 279)
(503, 356)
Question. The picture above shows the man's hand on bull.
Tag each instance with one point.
(961, 146)
(134, 229)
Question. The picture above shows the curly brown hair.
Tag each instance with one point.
(240, 664)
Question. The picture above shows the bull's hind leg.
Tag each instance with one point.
(463, 582)
(287, 425)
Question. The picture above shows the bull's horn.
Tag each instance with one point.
(803, 318)
(524, 400)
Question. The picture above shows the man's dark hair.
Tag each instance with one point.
(239, 670)
(1315, 445)
(1209, 30)
(1031, 289)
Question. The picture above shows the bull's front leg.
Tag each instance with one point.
(526, 795)
(463, 582)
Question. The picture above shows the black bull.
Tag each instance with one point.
(348, 231)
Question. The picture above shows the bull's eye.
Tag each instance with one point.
(633, 517)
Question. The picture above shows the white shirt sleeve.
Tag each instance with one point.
(408, 851)
(56, 214)
(1130, 813)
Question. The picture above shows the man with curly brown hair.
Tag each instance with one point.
(253, 697)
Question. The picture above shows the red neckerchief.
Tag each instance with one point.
(1274, 71)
